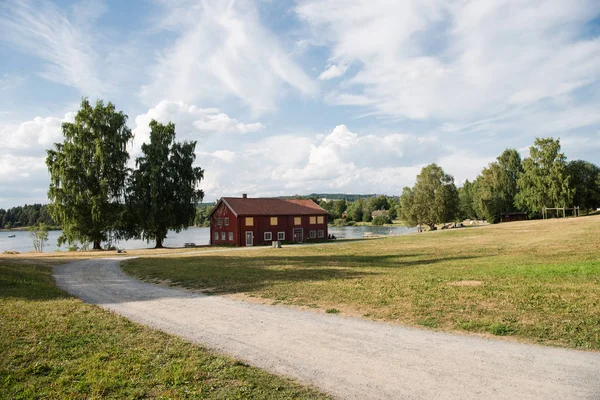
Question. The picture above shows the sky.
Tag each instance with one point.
(296, 97)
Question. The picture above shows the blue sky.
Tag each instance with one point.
(294, 97)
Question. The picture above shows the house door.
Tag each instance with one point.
(249, 238)
(298, 235)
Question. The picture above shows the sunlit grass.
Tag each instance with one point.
(55, 346)
(534, 280)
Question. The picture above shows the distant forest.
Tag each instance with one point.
(24, 216)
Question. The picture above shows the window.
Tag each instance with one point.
(280, 235)
(320, 220)
(313, 234)
(223, 235)
(313, 220)
(273, 221)
(231, 236)
(297, 220)
(216, 235)
(220, 221)
(249, 221)
(268, 236)
(226, 221)
(320, 234)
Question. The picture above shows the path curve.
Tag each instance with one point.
(345, 357)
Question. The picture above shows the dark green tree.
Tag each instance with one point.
(585, 182)
(163, 193)
(88, 174)
(466, 200)
(545, 181)
(433, 199)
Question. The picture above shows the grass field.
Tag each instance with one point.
(55, 346)
(537, 281)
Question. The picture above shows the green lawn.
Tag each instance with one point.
(54, 346)
(536, 280)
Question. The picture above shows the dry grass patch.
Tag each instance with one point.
(540, 279)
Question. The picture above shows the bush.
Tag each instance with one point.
(381, 220)
(340, 222)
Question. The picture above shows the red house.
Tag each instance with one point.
(251, 222)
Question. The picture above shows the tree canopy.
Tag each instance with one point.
(545, 181)
(433, 199)
(163, 192)
(585, 181)
(88, 173)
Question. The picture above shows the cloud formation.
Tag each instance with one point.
(429, 59)
(222, 50)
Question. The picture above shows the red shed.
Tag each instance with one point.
(250, 222)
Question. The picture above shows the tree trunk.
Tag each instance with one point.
(159, 243)
(97, 245)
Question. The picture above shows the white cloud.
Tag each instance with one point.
(11, 81)
(191, 122)
(423, 59)
(333, 71)
(221, 51)
(63, 41)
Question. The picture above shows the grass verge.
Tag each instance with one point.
(535, 280)
(54, 346)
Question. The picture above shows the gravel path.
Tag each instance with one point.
(346, 357)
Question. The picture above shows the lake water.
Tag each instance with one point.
(201, 236)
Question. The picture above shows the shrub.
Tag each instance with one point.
(381, 220)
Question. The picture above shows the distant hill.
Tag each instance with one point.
(331, 196)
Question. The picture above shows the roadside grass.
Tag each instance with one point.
(537, 281)
(55, 346)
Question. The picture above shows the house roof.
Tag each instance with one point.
(244, 206)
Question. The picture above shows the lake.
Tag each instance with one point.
(23, 243)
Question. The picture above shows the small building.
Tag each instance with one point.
(513, 216)
(259, 221)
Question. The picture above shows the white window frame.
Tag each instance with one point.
(226, 221)
(223, 235)
(313, 234)
(216, 235)
(280, 235)
(231, 236)
(268, 236)
(320, 233)
(220, 221)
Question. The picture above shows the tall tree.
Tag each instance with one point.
(585, 182)
(88, 173)
(545, 181)
(163, 191)
(433, 199)
(466, 200)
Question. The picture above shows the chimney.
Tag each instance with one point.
(244, 196)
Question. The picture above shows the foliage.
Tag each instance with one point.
(495, 189)
(466, 200)
(27, 215)
(585, 182)
(433, 200)
(381, 220)
(88, 173)
(202, 212)
(545, 181)
(163, 191)
(39, 236)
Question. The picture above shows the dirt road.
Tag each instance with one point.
(346, 357)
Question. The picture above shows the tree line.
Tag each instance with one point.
(544, 179)
(95, 197)
(24, 216)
